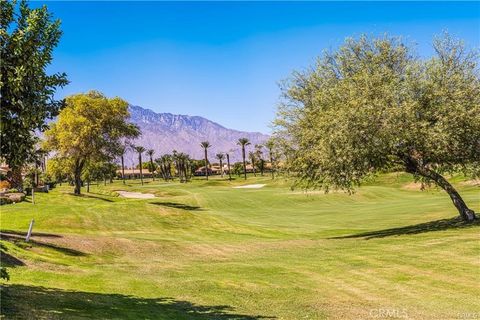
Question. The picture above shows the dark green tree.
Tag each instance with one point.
(373, 105)
(27, 39)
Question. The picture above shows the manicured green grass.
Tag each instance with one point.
(205, 250)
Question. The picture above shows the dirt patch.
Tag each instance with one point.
(251, 186)
(135, 195)
(474, 182)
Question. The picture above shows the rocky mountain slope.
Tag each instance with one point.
(165, 132)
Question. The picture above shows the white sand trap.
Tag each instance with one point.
(135, 195)
(251, 186)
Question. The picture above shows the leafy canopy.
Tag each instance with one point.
(91, 128)
(373, 105)
(27, 39)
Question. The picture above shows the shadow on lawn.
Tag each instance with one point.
(19, 238)
(437, 225)
(83, 195)
(21, 302)
(177, 205)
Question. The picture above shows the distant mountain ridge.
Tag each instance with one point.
(165, 132)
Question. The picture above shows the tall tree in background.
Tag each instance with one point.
(270, 144)
(89, 129)
(373, 105)
(253, 159)
(205, 145)
(151, 167)
(28, 37)
(243, 142)
(259, 156)
(140, 150)
(220, 157)
(228, 167)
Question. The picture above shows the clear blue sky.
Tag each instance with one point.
(223, 60)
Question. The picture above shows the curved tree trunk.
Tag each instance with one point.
(467, 214)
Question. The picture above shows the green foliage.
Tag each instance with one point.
(89, 130)
(28, 37)
(373, 104)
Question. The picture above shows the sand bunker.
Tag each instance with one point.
(251, 186)
(135, 195)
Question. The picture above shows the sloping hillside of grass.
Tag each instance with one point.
(205, 250)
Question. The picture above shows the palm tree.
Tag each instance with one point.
(252, 157)
(205, 145)
(259, 157)
(244, 142)
(228, 166)
(270, 145)
(150, 153)
(220, 157)
(140, 150)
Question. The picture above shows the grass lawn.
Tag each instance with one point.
(205, 250)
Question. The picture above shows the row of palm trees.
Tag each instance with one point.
(181, 161)
(253, 155)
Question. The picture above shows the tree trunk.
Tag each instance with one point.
(206, 164)
(153, 168)
(88, 185)
(16, 180)
(228, 166)
(77, 179)
(467, 214)
(244, 163)
(271, 166)
(140, 162)
(123, 170)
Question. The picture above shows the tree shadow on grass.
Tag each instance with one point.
(177, 205)
(83, 195)
(7, 260)
(20, 239)
(22, 302)
(437, 225)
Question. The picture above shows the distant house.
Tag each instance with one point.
(213, 170)
(134, 173)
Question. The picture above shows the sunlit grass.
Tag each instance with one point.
(206, 250)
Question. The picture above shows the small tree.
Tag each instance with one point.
(220, 157)
(140, 150)
(243, 142)
(151, 167)
(252, 157)
(205, 145)
(89, 129)
(270, 144)
(372, 105)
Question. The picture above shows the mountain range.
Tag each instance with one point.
(165, 132)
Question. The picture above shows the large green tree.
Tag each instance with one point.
(373, 105)
(27, 39)
(89, 129)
